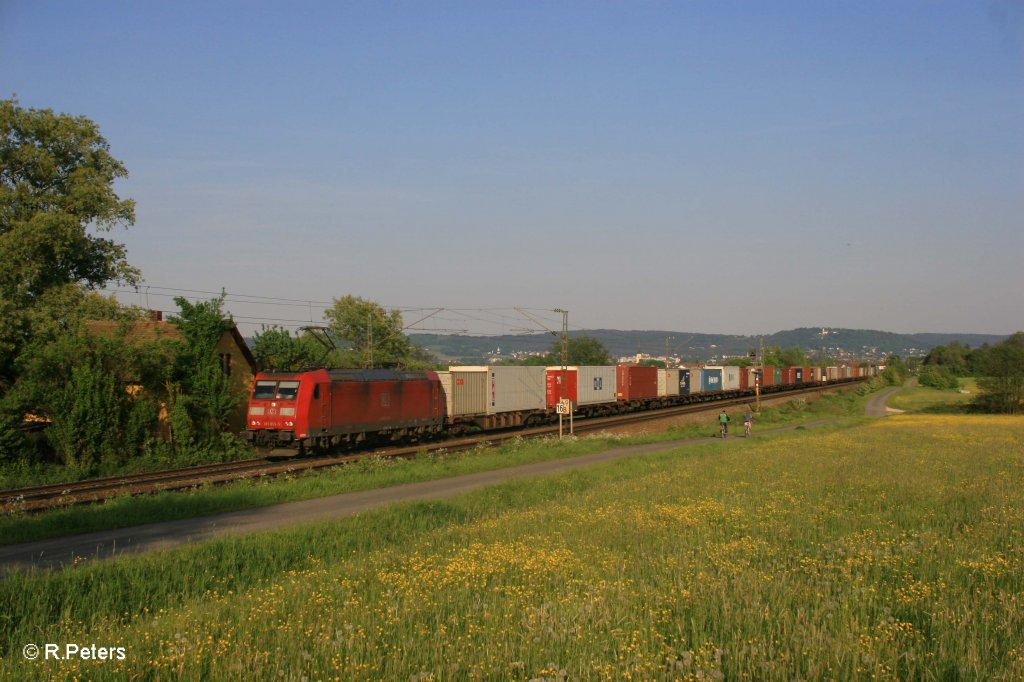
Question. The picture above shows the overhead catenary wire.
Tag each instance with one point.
(499, 320)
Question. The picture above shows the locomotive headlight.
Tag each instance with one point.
(289, 423)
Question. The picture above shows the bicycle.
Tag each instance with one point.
(746, 429)
(723, 428)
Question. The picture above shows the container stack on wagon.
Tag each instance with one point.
(668, 382)
(635, 382)
(584, 385)
(494, 397)
(711, 378)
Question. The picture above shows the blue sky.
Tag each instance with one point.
(693, 166)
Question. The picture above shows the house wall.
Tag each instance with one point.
(240, 375)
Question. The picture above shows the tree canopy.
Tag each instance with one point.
(1002, 380)
(56, 192)
(374, 334)
(583, 350)
(790, 357)
(275, 349)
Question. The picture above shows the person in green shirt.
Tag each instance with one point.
(723, 423)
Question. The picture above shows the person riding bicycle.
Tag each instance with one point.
(723, 423)
(748, 421)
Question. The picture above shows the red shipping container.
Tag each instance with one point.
(634, 382)
(745, 380)
(768, 376)
(555, 390)
(788, 376)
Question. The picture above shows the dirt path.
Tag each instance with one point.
(876, 406)
(65, 551)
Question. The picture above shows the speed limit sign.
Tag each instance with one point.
(564, 406)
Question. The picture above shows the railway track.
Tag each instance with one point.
(41, 498)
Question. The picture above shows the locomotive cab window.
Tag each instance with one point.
(287, 390)
(264, 390)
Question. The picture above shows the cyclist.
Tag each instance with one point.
(748, 420)
(723, 423)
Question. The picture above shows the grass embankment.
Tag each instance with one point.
(933, 400)
(890, 550)
(371, 474)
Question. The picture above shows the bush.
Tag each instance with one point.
(937, 376)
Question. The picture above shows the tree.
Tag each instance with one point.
(97, 392)
(375, 334)
(201, 390)
(276, 349)
(56, 191)
(954, 357)
(1002, 383)
(937, 376)
(895, 372)
(56, 343)
(583, 350)
(791, 357)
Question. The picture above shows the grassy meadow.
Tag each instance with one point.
(924, 399)
(887, 550)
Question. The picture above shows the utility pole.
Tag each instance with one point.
(565, 369)
(369, 340)
(760, 378)
(667, 339)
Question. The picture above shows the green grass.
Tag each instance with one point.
(889, 550)
(17, 527)
(936, 401)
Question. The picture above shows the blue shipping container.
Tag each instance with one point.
(711, 379)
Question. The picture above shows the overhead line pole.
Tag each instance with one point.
(565, 370)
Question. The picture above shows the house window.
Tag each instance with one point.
(225, 363)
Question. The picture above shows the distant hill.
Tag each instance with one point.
(691, 346)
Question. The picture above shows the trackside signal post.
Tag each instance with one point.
(564, 404)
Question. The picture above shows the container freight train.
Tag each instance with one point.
(331, 409)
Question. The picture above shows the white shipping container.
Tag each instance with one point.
(730, 377)
(503, 388)
(668, 382)
(696, 380)
(468, 390)
(595, 384)
(511, 389)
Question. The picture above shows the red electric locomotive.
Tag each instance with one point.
(336, 407)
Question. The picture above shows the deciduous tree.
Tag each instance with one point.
(56, 195)
(375, 334)
(276, 349)
(583, 350)
(1002, 386)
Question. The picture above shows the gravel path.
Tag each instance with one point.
(876, 405)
